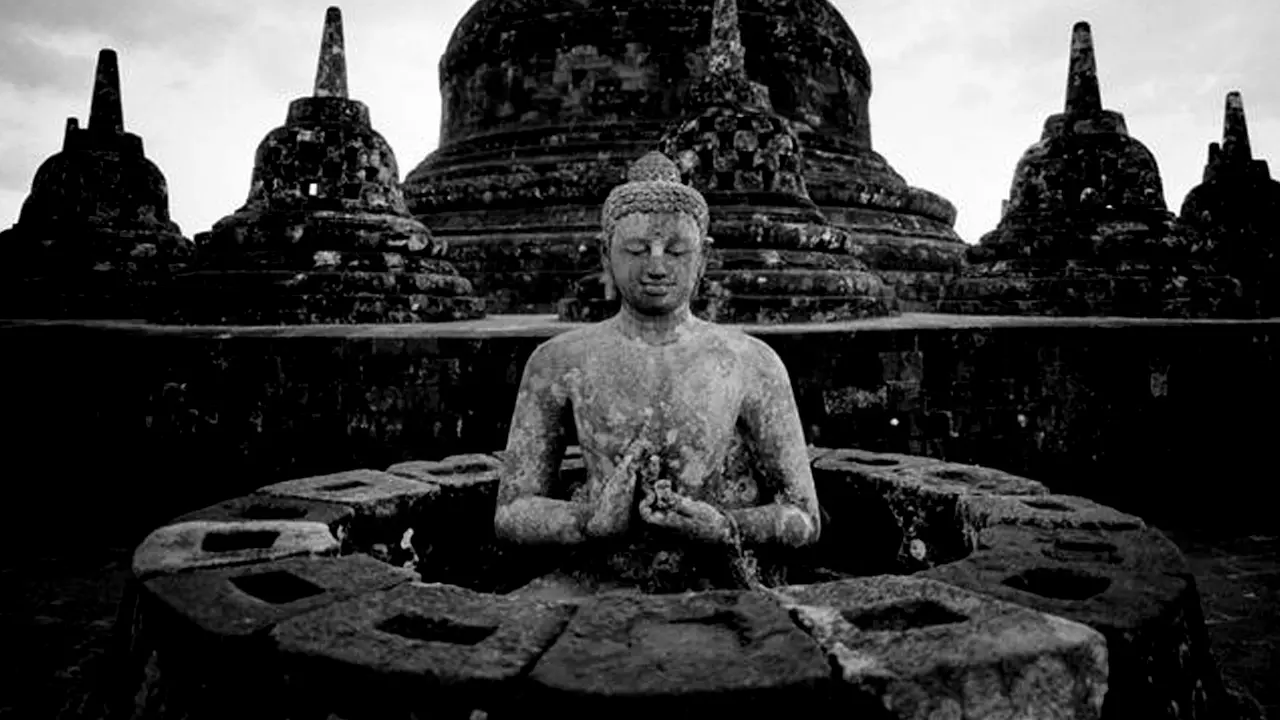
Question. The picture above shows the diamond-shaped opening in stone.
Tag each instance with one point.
(876, 462)
(464, 469)
(1048, 505)
(233, 540)
(271, 511)
(278, 587)
(343, 486)
(436, 629)
(959, 475)
(1059, 583)
(911, 615)
(1085, 546)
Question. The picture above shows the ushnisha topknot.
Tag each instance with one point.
(653, 185)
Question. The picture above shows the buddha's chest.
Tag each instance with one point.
(686, 408)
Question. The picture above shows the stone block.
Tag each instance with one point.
(453, 533)
(1048, 511)
(416, 647)
(242, 601)
(385, 505)
(257, 506)
(681, 656)
(207, 544)
(915, 648)
(1131, 585)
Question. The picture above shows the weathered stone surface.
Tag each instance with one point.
(386, 506)
(1139, 596)
(94, 237)
(417, 647)
(257, 506)
(1047, 511)
(244, 601)
(520, 79)
(326, 200)
(206, 544)
(1086, 231)
(912, 512)
(725, 652)
(917, 648)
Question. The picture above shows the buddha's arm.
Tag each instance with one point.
(535, 444)
(770, 414)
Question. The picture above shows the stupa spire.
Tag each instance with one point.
(1083, 96)
(1235, 131)
(105, 112)
(728, 58)
(331, 70)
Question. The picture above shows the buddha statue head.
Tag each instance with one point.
(654, 241)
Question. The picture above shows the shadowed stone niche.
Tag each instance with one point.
(1085, 230)
(325, 236)
(94, 238)
(546, 103)
(1236, 211)
(937, 590)
(775, 257)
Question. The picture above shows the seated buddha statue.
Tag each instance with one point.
(689, 431)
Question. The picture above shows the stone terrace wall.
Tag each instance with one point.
(1160, 418)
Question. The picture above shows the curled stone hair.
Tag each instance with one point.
(653, 186)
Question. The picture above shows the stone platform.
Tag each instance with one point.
(977, 592)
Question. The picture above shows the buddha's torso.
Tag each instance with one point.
(684, 398)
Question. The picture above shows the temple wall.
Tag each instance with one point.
(1151, 416)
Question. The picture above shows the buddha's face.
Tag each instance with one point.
(656, 260)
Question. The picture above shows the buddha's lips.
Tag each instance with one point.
(656, 289)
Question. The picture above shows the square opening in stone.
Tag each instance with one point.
(277, 587)
(698, 635)
(911, 615)
(436, 629)
(233, 540)
(1059, 583)
(342, 486)
(270, 511)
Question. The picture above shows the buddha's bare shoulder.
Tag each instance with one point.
(751, 351)
(572, 346)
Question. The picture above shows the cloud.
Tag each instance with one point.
(31, 56)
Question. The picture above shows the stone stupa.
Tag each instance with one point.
(94, 238)
(546, 103)
(1236, 210)
(1085, 230)
(325, 236)
(774, 258)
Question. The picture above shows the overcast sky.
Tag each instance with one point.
(960, 87)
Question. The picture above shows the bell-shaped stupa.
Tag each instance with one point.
(1236, 210)
(1085, 230)
(547, 102)
(325, 236)
(775, 258)
(94, 238)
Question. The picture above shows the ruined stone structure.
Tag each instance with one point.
(1236, 211)
(771, 260)
(546, 103)
(325, 236)
(94, 238)
(1085, 230)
